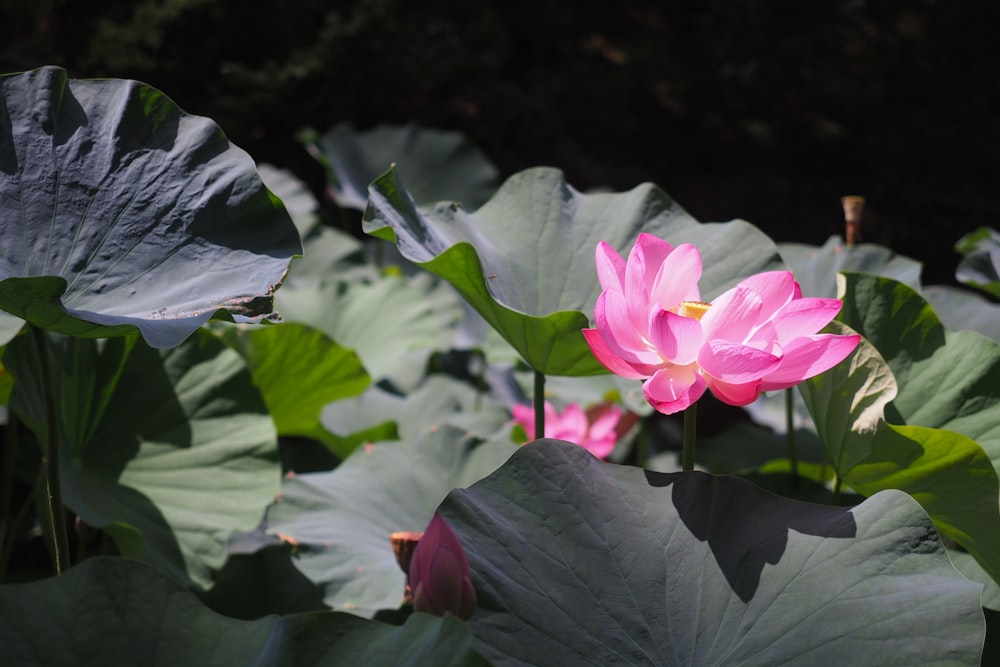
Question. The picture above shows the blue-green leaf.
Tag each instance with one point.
(580, 562)
(121, 213)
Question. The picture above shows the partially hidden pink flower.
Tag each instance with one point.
(759, 336)
(439, 575)
(596, 430)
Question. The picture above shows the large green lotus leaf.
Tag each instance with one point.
(980, 266)
(118, 211)
(110, 611)
(816, 267)
(960, 308)
(298, 370)
(341, 521)
(391, 323)
(437, 164)
(170, 451)
(525, 260)
(581, 562)
(948, 474)
(947, 379)
(948, 453)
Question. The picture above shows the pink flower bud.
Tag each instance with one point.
(440, 580)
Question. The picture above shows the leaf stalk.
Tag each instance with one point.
(53, 490)
(539, 404)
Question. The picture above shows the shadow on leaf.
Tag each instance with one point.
(743, 547)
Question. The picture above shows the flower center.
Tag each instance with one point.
(693, 309)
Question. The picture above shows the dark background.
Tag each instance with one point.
(767, 111)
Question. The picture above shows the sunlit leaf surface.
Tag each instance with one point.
(580, 562)
(122, 212)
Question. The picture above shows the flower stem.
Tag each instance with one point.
(539, 403)
(790, 434)
(53, 491)
(690, 423)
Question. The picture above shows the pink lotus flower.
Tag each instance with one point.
(439, 576)
(596, 430)
(758, 336)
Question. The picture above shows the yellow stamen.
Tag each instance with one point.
(693, 309)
